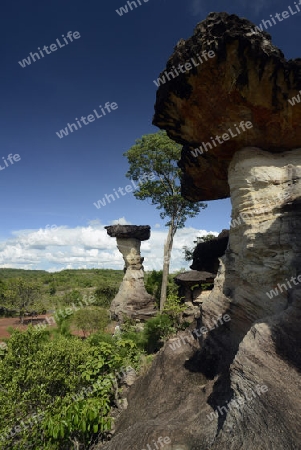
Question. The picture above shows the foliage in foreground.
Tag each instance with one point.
(58, 391)
(71, 383)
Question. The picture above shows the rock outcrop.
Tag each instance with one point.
(190, 284)
(206, 254)
(248, 80)
(240, 388)
(191, 292)
(132, 300)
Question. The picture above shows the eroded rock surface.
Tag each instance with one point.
(248, 80)
(139, 232)
(203, 394)
(206, 254)
(132, 299)
(188, 389)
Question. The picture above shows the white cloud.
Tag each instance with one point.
(59, 248)
(121, 221)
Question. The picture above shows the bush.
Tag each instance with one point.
(157, 329)
(96, 338)
(69, 381)
(74, 296)
(104, 295)
(174, 309)
(91, 320)
(52, 289)
(153, 283)
(138, 337)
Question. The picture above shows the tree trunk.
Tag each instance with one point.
(167, 252)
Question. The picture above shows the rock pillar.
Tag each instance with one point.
(132, 300)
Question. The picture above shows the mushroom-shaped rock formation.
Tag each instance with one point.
(139, 232)
(206, 254)
(248, 80)
(190, 284)
(132, 300)
(192, 293)
(242, 389)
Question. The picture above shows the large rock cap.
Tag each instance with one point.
(248, 79)
(140, 232)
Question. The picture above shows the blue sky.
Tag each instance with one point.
(115, 59)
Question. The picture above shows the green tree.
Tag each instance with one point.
(91, 320)
(72, 296)
(188, 252)
(104, 294)
(153, 284)
(153, 163)
(22, 293)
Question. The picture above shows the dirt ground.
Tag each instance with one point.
(14, 322)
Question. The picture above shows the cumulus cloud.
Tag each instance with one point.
(121, 221)
(56, 248)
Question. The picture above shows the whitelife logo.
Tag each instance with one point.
(10, 157)
(292, 101)
(127, 188)
(53, 48)
(124, 9)
(274, 293)
(285, 15)
(221, 139)
(183, 68)
(109, 106)
(237, 402)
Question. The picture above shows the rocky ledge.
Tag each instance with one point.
(248, 80)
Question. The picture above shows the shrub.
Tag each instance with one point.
(174, 308)
(96, 338)
(74, 296)
(89, 320)
(157, 329)
(71, 382)
(153, 284)
(104, 295)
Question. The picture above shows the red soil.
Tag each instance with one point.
(15, 323)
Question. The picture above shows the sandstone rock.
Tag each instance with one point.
(139, 232)
(190, 284)
(132, 299)
(248, 79)
(183, 393)
(263, 246)
(206, 254)
(259, 346)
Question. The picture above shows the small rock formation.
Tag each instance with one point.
(187, 394)
(132, 300)
(206, 254)
(190, 284)
(191, 292)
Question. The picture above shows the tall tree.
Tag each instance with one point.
(153, 164)
(22, 294)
